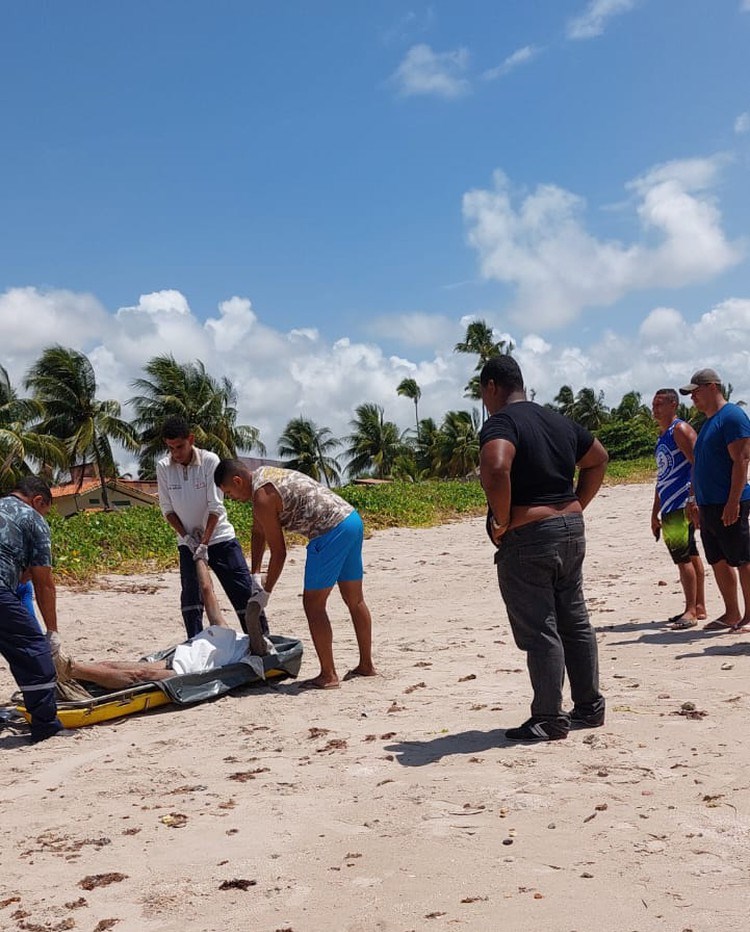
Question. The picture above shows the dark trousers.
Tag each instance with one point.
(26, 649)
(227, 560)
(539, 568)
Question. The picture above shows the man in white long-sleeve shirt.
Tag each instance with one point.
(194, 507)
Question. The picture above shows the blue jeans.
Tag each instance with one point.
(539, 568)
(25, 648)
(227, 560)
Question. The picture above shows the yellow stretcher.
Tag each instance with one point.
(103, 708)
(186, 689)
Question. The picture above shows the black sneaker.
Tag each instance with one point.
(580, 719)
(538, 729)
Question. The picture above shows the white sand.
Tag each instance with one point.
(395, 812)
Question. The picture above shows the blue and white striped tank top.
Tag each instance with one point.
(673, 471)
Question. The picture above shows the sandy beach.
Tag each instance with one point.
(395, 803)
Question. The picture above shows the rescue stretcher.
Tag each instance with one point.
(182, 689)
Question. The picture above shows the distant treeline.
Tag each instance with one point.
(61, 423)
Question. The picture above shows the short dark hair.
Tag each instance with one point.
(31, 486)
(227, 469)
(670, 393)
(175, 428)
(503, 371)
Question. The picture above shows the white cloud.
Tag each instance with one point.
(30, 317)
(745, 6)
(416, 329)
(521, 56)
(282, 374)
(424, 71)
(594, 18)
(665, 351)
(742, 123)
(305, 333)
(159, 302)
(542, 247)
(235, 323)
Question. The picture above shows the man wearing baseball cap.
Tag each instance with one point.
(721, 494)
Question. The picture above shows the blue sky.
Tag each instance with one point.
(314, 198)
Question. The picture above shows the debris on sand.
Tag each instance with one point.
(92, 881)
(237, 884)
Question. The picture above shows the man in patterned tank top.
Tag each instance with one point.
(674, 466)
(287, 500)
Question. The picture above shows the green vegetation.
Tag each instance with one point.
(421, 504)
(138, 540)
(621, 472)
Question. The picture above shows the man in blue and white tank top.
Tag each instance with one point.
(669, 516)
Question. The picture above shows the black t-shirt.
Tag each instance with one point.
(548, 446)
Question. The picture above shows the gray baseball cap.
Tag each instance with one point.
(701, 377)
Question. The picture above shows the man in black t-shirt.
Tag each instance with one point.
(528, 460)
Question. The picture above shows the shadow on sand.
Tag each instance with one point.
(419, 753)
(668, 636)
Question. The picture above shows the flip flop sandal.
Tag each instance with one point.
(682, 624)
(673, 618)
(718, 626)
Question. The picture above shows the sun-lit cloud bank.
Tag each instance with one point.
(539, 243)
(279, 375)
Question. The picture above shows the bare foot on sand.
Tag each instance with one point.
(319, 682)
(359, 670)
(700, 613)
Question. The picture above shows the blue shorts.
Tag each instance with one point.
(335, 556)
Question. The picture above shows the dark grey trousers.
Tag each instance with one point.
(539, 568)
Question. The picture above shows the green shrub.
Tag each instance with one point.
(628, 440)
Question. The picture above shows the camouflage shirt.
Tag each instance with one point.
(308, 507)
(24, 540)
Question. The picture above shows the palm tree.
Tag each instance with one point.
(458, 443)
(207, 404)
(374, 444)
(565, 401)
(307, 448)
(408, 388)
(428, 446)
(631, 408)
(589, 409)
(480, 340)
(64, 382)
(19, 438)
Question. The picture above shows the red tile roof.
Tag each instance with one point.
(72, 488)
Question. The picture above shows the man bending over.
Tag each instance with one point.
(284, 499)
